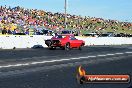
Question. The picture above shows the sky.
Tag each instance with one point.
(108, 9)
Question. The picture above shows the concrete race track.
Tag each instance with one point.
(43, 68)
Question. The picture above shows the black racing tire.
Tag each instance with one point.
(63, 48)
(52, 48)
(48, 43)
(80, 47)
(67, 46)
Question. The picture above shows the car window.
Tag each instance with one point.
(59, 36)
(72, 38)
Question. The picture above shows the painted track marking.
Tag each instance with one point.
(59, 60)
(119, 53)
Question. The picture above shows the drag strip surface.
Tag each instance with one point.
(39, 68)
(45, 54)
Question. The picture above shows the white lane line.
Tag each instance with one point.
(110, 54)
(91, 56)
(59, 60)
(83, 57)
(119, 53)
(101, 55)
(42, 62)
(128, 52)
(15, 65)
(76, 58)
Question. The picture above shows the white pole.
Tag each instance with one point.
(65, 14)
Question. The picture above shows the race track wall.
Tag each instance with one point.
(17, 41)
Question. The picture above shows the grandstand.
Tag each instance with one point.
(31, 21)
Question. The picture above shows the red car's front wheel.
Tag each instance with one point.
(67, 46)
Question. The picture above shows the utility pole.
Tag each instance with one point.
(65, 14)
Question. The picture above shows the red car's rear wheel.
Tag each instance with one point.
(52, 48)
(80, 48)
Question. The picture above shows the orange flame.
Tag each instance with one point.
(81, 71)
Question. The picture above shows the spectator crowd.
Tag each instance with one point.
(30, 21)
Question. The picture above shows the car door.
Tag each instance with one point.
(74, 42)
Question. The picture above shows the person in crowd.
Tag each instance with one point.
(37, 32)
(14, 32)
(9, 32)
(19, 18)
(4, 31)
(27, 32)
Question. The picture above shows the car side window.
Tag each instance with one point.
(72, 38)
(58, 36)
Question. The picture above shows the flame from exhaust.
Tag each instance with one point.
(81, 71)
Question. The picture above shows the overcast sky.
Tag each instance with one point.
(107, 9)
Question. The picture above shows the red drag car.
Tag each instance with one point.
(65, 42)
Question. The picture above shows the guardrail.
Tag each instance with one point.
(23, 41)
